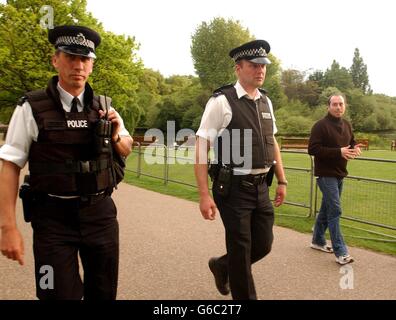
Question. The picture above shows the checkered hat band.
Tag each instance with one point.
(68, 40)
(250, 53)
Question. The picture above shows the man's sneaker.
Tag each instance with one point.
(221, 277)
(324, 248)
(344, 259)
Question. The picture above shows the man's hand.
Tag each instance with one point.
(11, 244)
(280, 195)
(349, 154)
(357, 150)
(208, 207)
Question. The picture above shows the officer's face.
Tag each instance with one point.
(337, 106)
(73, 70)
(251, 75)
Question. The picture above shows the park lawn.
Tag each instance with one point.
(357, 167)
(371, 201)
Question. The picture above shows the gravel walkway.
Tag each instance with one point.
(165, 246)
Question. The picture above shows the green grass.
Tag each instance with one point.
(173, 189)
(366, 200)
(284, 217)
(356, 167)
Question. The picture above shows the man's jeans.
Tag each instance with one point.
(329, 215)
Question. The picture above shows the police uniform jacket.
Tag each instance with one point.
(58, 144)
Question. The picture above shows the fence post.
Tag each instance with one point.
(165, 165)
(311, 195)
(139, 168)
(316, 199)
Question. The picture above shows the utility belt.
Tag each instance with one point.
(255, 179)
(223, 176)
(30, 199)
(82, 200)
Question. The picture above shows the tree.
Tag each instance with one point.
(210, 46)
(317, 76)
(295, 125)
(361, 109)
(169, 110)
(273, 84)
(152, 87)
(25, 55)
(21, 69)
(359, 73)
(386, 112)
(291, 82)
(183, 103)
(192, 117)
(310, 92)
(337, 76)
(295, 87)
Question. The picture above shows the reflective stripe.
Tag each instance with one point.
(73, 197)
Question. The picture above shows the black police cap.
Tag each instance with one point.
(255, 51)
(76, 40)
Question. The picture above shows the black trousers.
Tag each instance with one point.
(248, 217)
(64, 229)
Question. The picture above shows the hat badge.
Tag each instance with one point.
(262, 52)
(80, 38)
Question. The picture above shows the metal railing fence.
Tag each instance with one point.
(365, 200)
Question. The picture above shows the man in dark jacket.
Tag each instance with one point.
(69, 146)
(332, 144)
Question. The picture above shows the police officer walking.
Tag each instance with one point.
(239, 121)
(60, 131)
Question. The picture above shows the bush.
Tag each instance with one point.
(375, 141)
(295, 125)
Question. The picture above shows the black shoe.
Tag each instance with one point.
(220, 276)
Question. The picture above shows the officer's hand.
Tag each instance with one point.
(280, 195)
(115, 119)
(11, 244)
(208, 208)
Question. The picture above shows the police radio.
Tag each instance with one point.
(103, 129)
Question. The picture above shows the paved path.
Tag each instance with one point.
(165, 246)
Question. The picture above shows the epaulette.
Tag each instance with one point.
(263, 91)
(37, 95)
(219, 91)
(22, 100)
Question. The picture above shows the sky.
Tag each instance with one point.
(304, 34)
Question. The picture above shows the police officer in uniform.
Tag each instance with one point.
(71, 178)
(240, 189)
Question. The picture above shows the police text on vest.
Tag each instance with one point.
(77, 123)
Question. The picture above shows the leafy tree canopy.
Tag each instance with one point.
(210, 46)
(25, 54)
